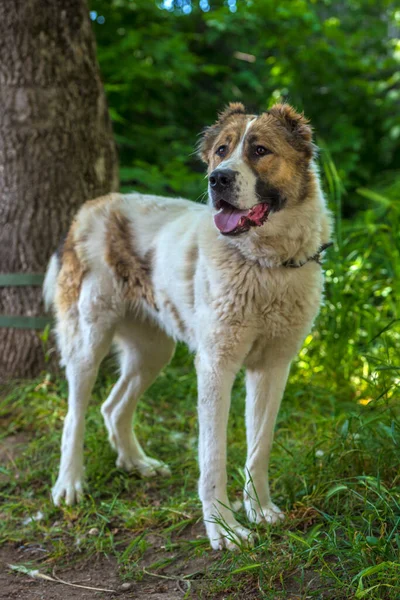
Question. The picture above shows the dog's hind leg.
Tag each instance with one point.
(144, 351)
(85, 337)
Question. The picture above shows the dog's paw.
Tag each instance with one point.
(269, 513)
(146, 466)
(230, 535)
(67, 488)
(224, 531)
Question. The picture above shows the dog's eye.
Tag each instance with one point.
(221, 151)
(261, 151)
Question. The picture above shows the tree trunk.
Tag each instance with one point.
(56, 150)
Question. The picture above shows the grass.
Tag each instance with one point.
(334, 467)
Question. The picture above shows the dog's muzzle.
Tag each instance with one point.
(221, 181)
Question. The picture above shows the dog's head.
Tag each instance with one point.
(257, 165)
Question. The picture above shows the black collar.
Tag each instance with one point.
(316, 258)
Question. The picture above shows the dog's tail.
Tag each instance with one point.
(50, 280)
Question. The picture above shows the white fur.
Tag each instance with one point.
(49, 285)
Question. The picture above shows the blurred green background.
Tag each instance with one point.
(169, 66)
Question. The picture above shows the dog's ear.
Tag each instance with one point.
(233, 108)
(209, 134)
(297, 125)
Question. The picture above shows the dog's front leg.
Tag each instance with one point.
(264, 386)
(214, 392)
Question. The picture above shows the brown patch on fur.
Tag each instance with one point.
(285, 172)
(170, 306)
(228, 120)
(190, 270)
(101, 201)
(283, 131)
(297, 125)
(288, 137)
(229, 136)
(148, 261)
(305, 187)
(233, 108)
(71, 274)
(133, 272)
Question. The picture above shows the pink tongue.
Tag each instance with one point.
(228, 219)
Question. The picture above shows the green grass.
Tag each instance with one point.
(334, 467)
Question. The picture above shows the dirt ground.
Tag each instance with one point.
(103, 573)
(98, 572)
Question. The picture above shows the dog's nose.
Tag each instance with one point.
(221, 179)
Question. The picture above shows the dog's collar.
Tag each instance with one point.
(291, 264)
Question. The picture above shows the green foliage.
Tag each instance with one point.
(168, 73)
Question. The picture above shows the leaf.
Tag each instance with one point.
(361, 593)
(335, 490)
(372, 540)
(298, 539)
(345, 429)
(375, 569)
(371, 195)
(247, 568)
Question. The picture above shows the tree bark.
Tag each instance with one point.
(56, 150)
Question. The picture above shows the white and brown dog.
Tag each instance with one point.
(143, 271)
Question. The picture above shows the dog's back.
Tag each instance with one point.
(114, 238)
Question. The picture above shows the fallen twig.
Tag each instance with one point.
(36, 574)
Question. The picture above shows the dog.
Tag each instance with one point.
(239, 280)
